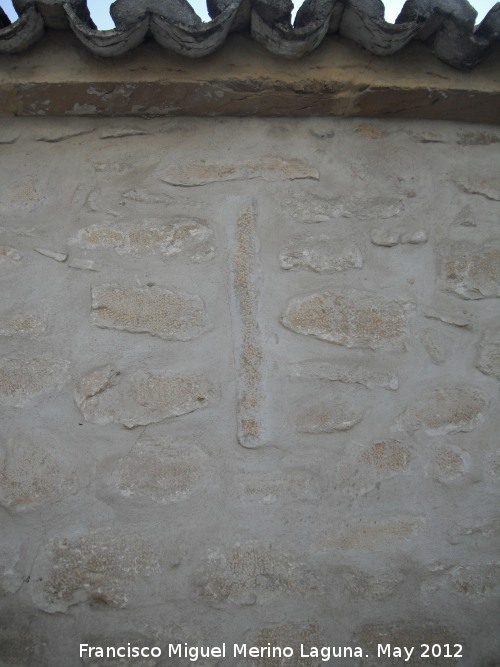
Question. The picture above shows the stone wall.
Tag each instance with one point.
(248, 380)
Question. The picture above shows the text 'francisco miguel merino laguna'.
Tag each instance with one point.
(194, 653)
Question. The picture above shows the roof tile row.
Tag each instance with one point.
(448, 26)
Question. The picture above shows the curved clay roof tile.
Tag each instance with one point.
(447, 25)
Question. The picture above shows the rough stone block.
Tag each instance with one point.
(30, 474)
(378, 535)
(247, 331)
(354, 320)
(52, 254)
(387, 455)
(9, 255)
(181, 236)
(328, 418)
(104, 397)
(250, 569)
(489, 354)
(23, 197)
(305, 207)
(83, 264)
(477, 582)
(269, 487)
(445, 410)
(159, 312)
(322, 254)
(22, 324)
(448, 316)
(389, 237)
(450, 463)
(485, 185)
(432, 345)
(100, 567)
(269, 168)
(362, 373)
(362, 585)
(161, 470)
(386, 237)
(472, 272)
(22, 380)
(477, 139)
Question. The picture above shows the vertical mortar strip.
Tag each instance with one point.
(246, 331)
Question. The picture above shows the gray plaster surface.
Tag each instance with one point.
(249, 389)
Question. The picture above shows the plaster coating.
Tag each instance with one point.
(248, 398)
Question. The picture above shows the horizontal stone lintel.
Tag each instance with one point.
(58, 77)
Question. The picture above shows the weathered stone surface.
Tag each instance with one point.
(472, 272)
(22, 324)
(409, 635)
(362, 585)
(144, 398)
(252, 569)
(445, 410)
(361, 320)
(390, 237)
(447, 316)
(30, 473)
(24, 196)
(488, 360)
(268, 168)
(83, 264)
(159, 312)
(450, 463)
(477, 582)
(328, 418)
(310, 208)
(22, 380)
(99, 567)
(431, 343)
(466, 217)
(160, 470)
(387, 455)
(414, 237)
(9, 255)
(477, 139)
(268, 487)
(487, 186)
(355, 373)
(385, 237)
(376, 535)
(290, 634)
(57, 256)
(246, 330)
(322, 254)
(182, 235)
(147, 197)
(372, 207)
(429, 137)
